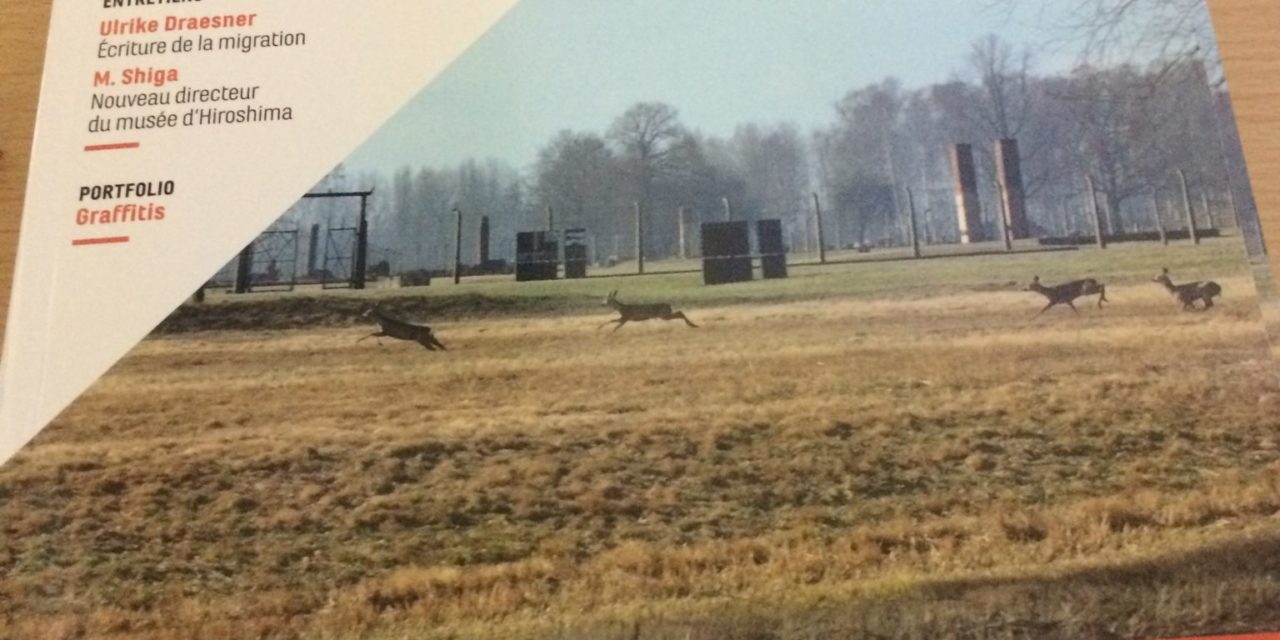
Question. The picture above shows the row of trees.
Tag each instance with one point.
(1129, 128)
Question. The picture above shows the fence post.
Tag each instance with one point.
(1093, 210)
(1155, 209)
(822, 236)
(1005, 232)
(1189, 210)
(1208, 211)
(457, 246)
(1231, 207)
(915, 230)
(683, 214)
(639, 238)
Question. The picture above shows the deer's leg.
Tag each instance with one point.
(423, 338)
(433, 344)
(1102, 297)
(605, 324)
(1046, 308)
(1208, 303)
(679, 315)
(1073, 307)
(620, 321)
(376, 334)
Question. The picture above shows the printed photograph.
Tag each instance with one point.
(713, 320)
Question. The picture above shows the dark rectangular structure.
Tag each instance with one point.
(482, 246)
(313, 250)
(968, 204)
(575, 253)
(537, 256)
(244, 270)
(1009, 173)
(773, 251)
(726, 252)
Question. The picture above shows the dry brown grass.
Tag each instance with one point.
(943, 466)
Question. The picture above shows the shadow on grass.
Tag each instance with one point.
(1227, 588)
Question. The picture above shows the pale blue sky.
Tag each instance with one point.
(578, 64)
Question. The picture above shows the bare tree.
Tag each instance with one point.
(1009, 105)
(1116, 32)
(577, 174)
(1114, 134)
(647, 136)
(774, 163)
(861, 160)
(1005, 79)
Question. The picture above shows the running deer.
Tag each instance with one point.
(639, 312)
(1188, 293)
(1068, 292)
(401, 330)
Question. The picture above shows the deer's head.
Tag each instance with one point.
(610, 299)
(1163, 278)
(1035, 284)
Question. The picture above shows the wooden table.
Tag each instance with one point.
(1249, 31)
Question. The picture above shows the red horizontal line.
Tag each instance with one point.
(1264, 636)
(90, 241)
(112, 147)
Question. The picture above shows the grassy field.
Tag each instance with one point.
(890, 450)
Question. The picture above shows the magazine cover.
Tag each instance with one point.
(577, 319)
